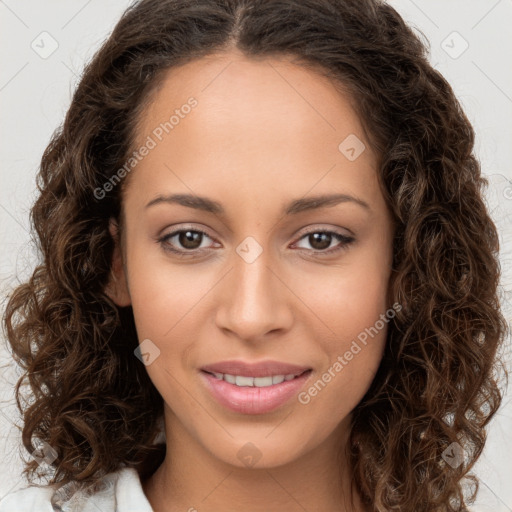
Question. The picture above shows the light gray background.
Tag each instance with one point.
(35, 92)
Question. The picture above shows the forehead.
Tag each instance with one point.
(234, 91)
(268, 121)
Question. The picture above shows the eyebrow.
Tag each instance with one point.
(294, 207)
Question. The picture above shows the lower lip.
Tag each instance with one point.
(253, 400)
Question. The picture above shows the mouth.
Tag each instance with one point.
(254, 389)
(257, 382)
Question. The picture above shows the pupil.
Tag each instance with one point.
(317, 236)
(187, 239)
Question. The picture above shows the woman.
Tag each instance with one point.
(269, 278)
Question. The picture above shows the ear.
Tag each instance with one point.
(117, 287)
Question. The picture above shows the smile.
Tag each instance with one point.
(258, 382)
(246, 394)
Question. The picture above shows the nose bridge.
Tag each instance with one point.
(255, 302)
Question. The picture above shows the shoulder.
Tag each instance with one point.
(120, 491)
(28, 499)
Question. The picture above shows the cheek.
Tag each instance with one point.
(352, 355)
(165, 296)
(351, 303)
(349, 298)
(166, 303)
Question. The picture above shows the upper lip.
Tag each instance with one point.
(260, 369)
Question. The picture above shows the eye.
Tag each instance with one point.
(320, 240)
(189, 240)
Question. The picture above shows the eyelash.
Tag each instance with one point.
(344, 240)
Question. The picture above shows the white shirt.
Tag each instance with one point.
(120, 491)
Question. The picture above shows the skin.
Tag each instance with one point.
(264, 132)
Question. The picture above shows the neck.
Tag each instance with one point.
(191, 479)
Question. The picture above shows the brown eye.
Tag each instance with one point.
(189, 239)
(320, 241)
(184, 241)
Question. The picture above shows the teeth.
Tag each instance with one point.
(259, 382)
(230, 378)
(244, 381)
(263, 382)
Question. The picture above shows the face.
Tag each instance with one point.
(255, 272)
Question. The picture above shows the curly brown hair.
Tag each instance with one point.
(93, 401)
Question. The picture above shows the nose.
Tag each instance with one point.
(255, 300)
